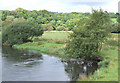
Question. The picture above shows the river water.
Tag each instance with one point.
(25, 65)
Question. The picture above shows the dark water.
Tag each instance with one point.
(21, 65)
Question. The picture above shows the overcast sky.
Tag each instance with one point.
(60, 5)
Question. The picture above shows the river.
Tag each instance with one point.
(26, 65)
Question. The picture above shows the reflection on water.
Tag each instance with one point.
(78, 69)
(22, 65)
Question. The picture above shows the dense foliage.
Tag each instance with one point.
(86, 39)
(54, 19)
(19, 32)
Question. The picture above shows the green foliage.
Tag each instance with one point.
(61, 28)
(47, 27)
(9, 20)
(31, 19)
(44, 17)
(19, 32)
(86, 40)
(118, 19)
(115, 28)
(76, 22)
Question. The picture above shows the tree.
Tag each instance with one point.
(60, 28)
(19, 32)
(53, 23)
(86, 40)
(76, 22)
(47, 27)
(31, 19)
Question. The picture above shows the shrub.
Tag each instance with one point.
(115, 28)
(19, 32)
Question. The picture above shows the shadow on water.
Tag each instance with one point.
(21, 57)
(79, 69)
(32, 66)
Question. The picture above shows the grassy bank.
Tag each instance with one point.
(109, 73)
(109, 66)
(53, 43)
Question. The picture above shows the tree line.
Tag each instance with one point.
(49, 20)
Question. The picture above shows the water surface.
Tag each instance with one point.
(23, 65)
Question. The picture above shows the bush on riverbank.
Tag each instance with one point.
(109, 66)
(86, 40)
(20, 32)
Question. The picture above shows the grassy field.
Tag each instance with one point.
(53, 43)
(60, 35)
(114, 20)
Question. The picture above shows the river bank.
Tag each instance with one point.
(109, 66)
(55, 46)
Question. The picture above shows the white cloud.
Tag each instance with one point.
(111, 6)
(60, 5)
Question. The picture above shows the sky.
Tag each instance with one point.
(61, 5)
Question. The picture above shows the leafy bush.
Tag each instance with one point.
(19, 32)
(86, 40)
(115, 28)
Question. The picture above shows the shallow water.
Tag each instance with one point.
(23, 65)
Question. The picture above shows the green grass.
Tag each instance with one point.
(61, 35)
(114, 35)
(114, 20)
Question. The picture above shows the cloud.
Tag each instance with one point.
(60, 5)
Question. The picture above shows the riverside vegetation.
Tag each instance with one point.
(53, 43)
(89, 38)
